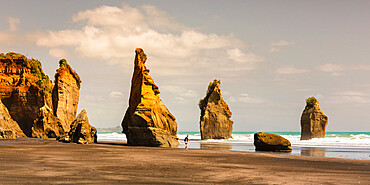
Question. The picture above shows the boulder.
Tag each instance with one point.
(7, 123)
(7, 134)
(271, 142)
(24, 88)
(215, 118)
(66, 94)
(81, 131)
(313, 120)
(46, 125)
(147, 120)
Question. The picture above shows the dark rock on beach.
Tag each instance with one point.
(147, 120)
(313, 120)
(215, 118)
(271, 142)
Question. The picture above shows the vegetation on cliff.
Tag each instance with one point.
(64, 66)
(310, 102)
(35, 68)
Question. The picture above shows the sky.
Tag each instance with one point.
(269, 55)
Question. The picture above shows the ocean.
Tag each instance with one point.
(348, 145)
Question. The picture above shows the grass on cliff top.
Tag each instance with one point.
(63, 65)
(35, 67)
(202, 102)
(310, 102)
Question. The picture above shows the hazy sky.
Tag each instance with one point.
(269, 55)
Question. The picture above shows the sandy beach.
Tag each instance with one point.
(34, 161)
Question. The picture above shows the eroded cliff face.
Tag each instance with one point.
(147, 120)
(46, 125)
(215, 118)
(24, 88)
(313, 121)
(66, 94)
(7, 123)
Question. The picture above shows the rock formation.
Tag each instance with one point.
(39, 108)
(147, 120)
(81, 131)
(66, 94)
(7, 134)
(271, 142)
(215, 122)
(46, 125)
(313, 120)
(24, 88)
(7, 123)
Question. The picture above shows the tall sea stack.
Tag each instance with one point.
(313, 120)
(147, 121)
(215, 118)
(66, 94)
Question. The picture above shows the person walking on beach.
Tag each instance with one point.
(186, 140)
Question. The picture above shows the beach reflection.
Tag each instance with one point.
(218, 146)
(313, 151)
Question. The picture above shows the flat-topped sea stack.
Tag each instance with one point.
(215, 118)
(24, 89)
(271, 142)
(313, 120)
(66, 94)
(147, 121)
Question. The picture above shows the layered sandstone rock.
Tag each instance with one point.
(147, 120)
(46, 125)
(215, 118)
(313, 120)
(271, 142)
(66, 94)
(7, 123)
(81, 131)
(24, 88)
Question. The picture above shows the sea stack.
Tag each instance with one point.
(66, 94)
(147, 121)
(215, 118)
(313, 120)
(81, 131)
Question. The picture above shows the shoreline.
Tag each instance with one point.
(34, 161)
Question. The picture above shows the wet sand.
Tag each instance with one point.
(32, 161)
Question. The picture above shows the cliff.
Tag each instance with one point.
(147, 120)
(215, 118)
(7, 123)
(313, 120)
(66, 94)
(46, 125)
(24, 88)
